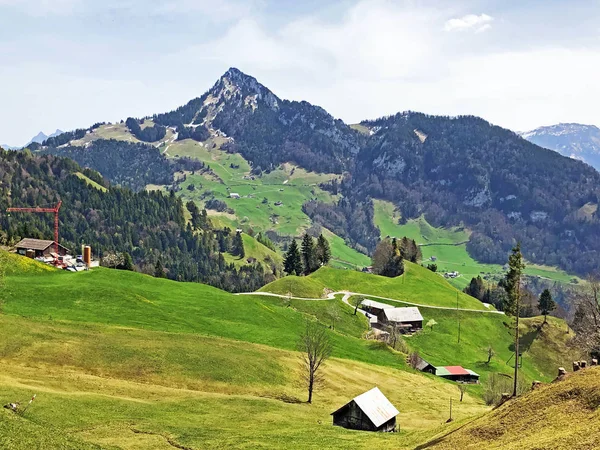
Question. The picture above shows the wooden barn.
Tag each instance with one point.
(457, 373)
(373, 307)
(408, 319)
(38, 247)
(370, 411)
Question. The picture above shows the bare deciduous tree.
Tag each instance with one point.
(462, 388)
(3, 264)
(334, 315)
(356, 302)
(113, 260)
(490, 353)
(414, 359)
(316, 349)
(586, 321)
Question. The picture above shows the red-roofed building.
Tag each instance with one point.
(457, 373)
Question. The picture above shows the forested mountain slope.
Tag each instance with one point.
(506, 189)
(453, 170)
(148, 225)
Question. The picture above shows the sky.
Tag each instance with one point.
(519, 64)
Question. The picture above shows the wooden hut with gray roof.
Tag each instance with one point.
(370, 411)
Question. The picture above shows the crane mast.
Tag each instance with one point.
(38, 209)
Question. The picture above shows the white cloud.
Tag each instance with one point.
(41, 7)
(470, 22)
(377, 58)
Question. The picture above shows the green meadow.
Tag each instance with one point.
(123, 360)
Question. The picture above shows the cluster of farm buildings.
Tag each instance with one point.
(372, 411)
(55, 254)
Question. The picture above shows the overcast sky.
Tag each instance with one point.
(519, 64)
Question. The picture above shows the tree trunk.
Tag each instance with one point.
(310, 389)
(518, 312)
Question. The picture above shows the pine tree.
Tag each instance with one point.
(546, 304)
(309, 256)
(512, 286)
(127, 261)
(292, 263)
(159, 272)
(238, 245)
(323, 250)
(476, 288)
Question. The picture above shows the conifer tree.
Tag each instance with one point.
(238, 245)
(546, 304)
(309, 255)
(512, 286)
(292, 263)
(323, 250)
(127, 262)
(159, 272)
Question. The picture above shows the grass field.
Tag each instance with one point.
(90, 182)
(448, 246)
(559, 416)
(417, 285)
(255, 249)
(123, 360)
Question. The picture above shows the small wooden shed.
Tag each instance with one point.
(370, 411)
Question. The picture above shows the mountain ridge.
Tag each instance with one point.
(454, 170)
(575, 140)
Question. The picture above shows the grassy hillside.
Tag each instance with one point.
(544, 349)
(255, 249)
(563, 415)
(289, 185)
(124, 360)
(417, 285)
(448, 246)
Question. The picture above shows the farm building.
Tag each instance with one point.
(409, 319)
(424, 366)
(457, 373)
(370, 411)
(374, 307)
(36, 248)
(234, 195)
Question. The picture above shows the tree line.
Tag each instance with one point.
(309, 257)
(149, 226)
(390, 254)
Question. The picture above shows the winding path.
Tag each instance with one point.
(348, 294)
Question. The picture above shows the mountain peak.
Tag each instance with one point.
(234, 82)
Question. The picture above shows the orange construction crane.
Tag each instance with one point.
(37, 209)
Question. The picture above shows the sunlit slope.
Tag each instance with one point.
(564, 415)
(417, 285)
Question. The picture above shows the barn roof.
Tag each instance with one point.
(422, 364)
(456, 370)
(374, 304)
(410, 314)
(375, 406)
(34, 244)
(472, 373)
